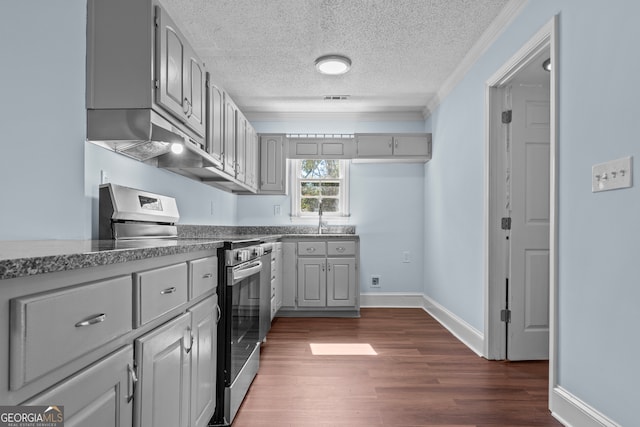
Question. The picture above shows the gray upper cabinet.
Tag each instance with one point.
(230, 110)
(398, 147)
(273, 164)
(251, 156)
(180, 74)
(215, 123)
(321, 148)
(241, 147)
(139, 60)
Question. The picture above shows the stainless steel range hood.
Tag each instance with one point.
(141, 134)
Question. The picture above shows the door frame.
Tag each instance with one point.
(494, 186)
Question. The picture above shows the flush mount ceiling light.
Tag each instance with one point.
(333, 64)
(547, 64)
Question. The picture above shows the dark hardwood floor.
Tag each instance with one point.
(421, 376)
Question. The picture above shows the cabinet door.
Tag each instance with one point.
(241, 146)
(97, 396)
(312, 282)
(229, 136)
(341, 282)
(194, 90)
(204, 327)
(163, 361)
(272, 164)
(411, 145)
(215, 124)
(252, 157)
(170, 43)
(374, 145)
(279, 275)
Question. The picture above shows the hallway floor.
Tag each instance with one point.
(421, 376)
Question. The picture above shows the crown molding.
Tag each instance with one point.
(490, 35)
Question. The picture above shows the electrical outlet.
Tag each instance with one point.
(611, 175)
(212, 210)
(104, 178)
(406, 257)
(375, 281)
(276, 210)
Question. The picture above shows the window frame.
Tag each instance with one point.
(296, 196)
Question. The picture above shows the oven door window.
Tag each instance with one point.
(245, 318)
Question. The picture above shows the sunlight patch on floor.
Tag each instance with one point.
(341, 349)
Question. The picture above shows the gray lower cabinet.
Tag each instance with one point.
(341, 282)
(204, 328)
(164, 375)
(312, 282)
(324, 274)
(98, 396)
(119, 345)
(176, 369)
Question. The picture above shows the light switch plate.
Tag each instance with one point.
(612, 175)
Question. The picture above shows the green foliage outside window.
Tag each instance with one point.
(320, 182)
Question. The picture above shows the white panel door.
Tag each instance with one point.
(528, 293)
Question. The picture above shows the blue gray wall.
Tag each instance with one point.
(599, 234)
(49, 175)
(387, 206)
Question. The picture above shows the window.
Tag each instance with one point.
(320, 181)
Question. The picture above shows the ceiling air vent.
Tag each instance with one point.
(336, 97)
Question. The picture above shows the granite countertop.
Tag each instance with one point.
(31, 257)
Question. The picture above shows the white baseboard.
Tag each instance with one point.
(391, 300)
(466, 333)
(573, 412)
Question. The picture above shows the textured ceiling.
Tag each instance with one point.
(262, 52)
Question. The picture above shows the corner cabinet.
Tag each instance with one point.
(394, 147)
(324, 274)
(273, 164)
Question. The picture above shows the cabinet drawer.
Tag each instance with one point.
(159, 291)
(311, 248)
(53, 328)
(341, 248)
(204, 275)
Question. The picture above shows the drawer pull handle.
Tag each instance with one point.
(92, 321)
(340, 249)
(133, 378)
(311, 249)
(189, 340)
(208, 276)
(168, 290)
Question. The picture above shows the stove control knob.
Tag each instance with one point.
(243, 255)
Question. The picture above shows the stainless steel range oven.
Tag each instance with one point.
(239, 327)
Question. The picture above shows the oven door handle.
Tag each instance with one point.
(244, 271)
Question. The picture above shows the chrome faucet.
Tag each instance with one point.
(320, 223)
